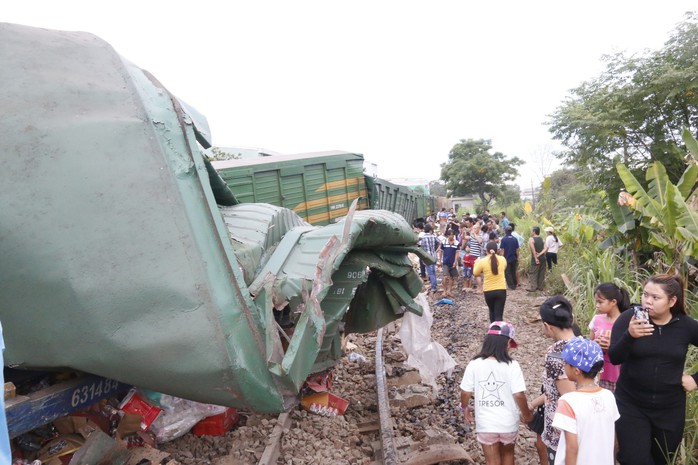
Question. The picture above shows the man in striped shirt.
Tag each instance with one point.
(430, 244)
(475, 247)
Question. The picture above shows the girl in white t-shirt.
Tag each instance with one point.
(552, 244)
(496, 383)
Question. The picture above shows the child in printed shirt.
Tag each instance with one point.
(586, 416)
(467, 261)
(611, 300)
(497, 384)
(450, 268)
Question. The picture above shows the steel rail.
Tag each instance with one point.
(386, 420)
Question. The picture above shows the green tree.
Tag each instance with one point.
(510, 195)
(472, 169)
(634, 112)
(564, 189)
(437, 188)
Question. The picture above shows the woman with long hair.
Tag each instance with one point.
(558, 324)
(492, 267)
(650, 342)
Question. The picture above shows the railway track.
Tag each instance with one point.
(355, 438)
(389, 449)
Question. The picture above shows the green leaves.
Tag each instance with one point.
(647, 205)
(634, 112)
(671, 222)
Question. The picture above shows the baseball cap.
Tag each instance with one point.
(503, 328)
(549, 229)
(582, 353)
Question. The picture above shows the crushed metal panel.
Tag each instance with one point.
(329, 280)
(113, 250)
(118, 262)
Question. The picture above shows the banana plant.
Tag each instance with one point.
(665, 210)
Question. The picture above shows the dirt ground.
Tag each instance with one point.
(459, 328)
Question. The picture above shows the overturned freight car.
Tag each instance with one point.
(319, 186)
(126, 256)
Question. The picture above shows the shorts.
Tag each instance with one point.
(450, 270)
(489, 439)
(467, 272)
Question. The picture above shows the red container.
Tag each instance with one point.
(136, 405)
(217, 425)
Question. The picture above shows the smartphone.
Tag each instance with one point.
(641, 313)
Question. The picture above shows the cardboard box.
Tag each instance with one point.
(217, 425)
(325, 399)
(82, 425)
(136, 405)
(60, 450)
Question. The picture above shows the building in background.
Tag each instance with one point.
(464, 204)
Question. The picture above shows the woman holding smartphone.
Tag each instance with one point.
(651, 344)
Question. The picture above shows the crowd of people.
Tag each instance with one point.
(617, 395)
(483, 253)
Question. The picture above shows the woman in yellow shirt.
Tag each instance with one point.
(492, 266)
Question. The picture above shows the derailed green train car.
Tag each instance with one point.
(319, 187)
(384, 195)
(125, 255)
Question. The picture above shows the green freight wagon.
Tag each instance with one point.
(403, 200)
(319, 187)
(425, 205)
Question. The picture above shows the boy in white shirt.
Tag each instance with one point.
(588, 415)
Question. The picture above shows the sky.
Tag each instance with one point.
(401, 82)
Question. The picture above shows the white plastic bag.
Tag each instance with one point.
(179, 416)
(424, 354)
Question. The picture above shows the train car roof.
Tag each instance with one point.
(236, 163)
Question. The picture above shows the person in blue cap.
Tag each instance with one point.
(586, 417)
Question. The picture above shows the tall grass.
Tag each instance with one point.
(586, 266)
(592, 267)
(688, 454)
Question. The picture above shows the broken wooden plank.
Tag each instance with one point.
(368, 426)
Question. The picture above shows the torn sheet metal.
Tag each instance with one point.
(118, 261)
